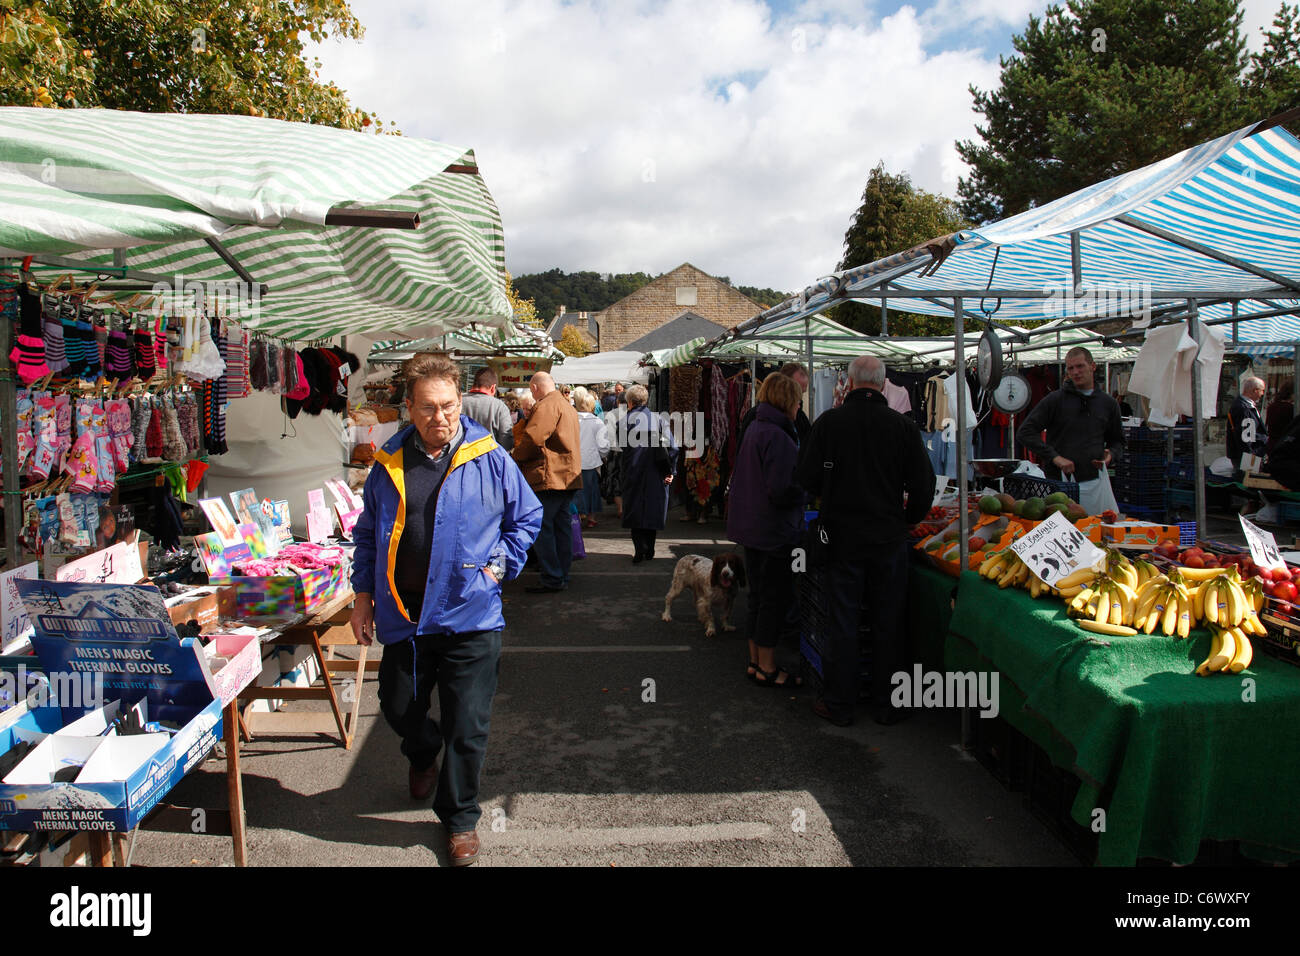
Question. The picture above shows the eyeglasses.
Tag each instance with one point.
(448, 411)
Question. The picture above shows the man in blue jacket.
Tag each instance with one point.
(447, 518)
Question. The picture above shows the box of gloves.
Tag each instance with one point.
(132, 708)
(300, 580)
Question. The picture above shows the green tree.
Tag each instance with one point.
(572, 344)
(165, 56)
(1100, 87)
(894, 215)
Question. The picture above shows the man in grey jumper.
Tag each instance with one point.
(481, 404)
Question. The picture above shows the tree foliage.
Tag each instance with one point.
(1100, 87)
(176, 56)
(572, 343)
(895, 215)
(578, 291)
(524, 311)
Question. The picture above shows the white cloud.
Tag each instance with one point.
(622, 137)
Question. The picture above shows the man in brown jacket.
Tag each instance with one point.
(549, 454)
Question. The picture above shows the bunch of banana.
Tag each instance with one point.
(1108, 603)
(1121, 569)
(1070, 586)
(1165, 603)
(1230, 652)
(1038, 588)
(1145, 571)
(1225, 602)
(995, 563)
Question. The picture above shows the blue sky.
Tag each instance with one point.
(733, 134)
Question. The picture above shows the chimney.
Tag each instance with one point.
(562, 310)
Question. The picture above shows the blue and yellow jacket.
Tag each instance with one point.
(486, 512)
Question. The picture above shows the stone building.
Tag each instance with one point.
(671, 296)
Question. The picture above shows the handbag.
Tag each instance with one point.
(579, 549)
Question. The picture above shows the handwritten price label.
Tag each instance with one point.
(1056, 548)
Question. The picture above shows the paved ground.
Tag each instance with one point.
(582, 771)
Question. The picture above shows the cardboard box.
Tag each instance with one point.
(286, 595)
(1145, 535)
(205, 606)
(121, 635)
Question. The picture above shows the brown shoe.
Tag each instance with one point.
(423, 781)
(463, 848)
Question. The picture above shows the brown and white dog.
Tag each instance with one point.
(714, 584)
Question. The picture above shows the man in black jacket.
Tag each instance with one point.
(861, 458)
(1084, 431)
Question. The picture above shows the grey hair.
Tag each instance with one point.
(867, 370)
(1248, 381)
(637, 395)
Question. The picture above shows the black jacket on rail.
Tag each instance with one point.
(861, 458)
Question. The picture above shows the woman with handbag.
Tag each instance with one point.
(649, 451)
(766, 516)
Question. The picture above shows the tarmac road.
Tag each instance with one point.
(590, 765)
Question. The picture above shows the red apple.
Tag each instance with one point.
(1193, 561)
(1264, 573)
(1285, 591)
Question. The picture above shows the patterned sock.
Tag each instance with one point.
(52, 329)
(146, 362)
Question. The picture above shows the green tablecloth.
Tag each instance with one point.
(929, 610)
(1172, 758)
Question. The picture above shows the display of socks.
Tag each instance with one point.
(238, 385)
(257, 375)
(73, 352)
(187, 410)
(101, 341)
(160, 344)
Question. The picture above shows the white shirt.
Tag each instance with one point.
(594, 438)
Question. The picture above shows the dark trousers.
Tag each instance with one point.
(873, 583)
(464, 669)
(554, 544)
(643, 542)
(771, 594)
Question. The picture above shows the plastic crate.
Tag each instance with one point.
(1027, 486)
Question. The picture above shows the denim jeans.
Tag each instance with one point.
(464, 668)
(554, 544)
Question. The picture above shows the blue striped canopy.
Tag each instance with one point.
(1138, 238)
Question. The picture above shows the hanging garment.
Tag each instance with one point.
(140, 416)
(1163, 372)
(718, 411)
(897, 397)
(119, 429)
(174, 448)
(28, 354)
(237, 361)
(146, 360)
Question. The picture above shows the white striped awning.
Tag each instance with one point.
(82, 183)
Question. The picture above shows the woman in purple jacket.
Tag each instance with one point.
(765, 515)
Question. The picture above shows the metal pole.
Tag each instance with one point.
(884, 316)
(959, 359)
(13, 501)
(1296, 372)
(812, 387)
(1235, 305)
(753, 380)
(1198, 444)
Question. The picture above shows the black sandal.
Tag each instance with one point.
(751, 673)
(769, 678)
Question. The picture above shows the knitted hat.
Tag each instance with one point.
(301, 388)
(344, 364)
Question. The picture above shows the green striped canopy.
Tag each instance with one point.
(532, 343)
(82, 183)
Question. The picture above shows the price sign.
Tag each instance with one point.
(1056, 549)
(940, 486)
(1263, 549)
(117, 564)
(14, 624)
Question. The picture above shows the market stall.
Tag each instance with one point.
(197, 279)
